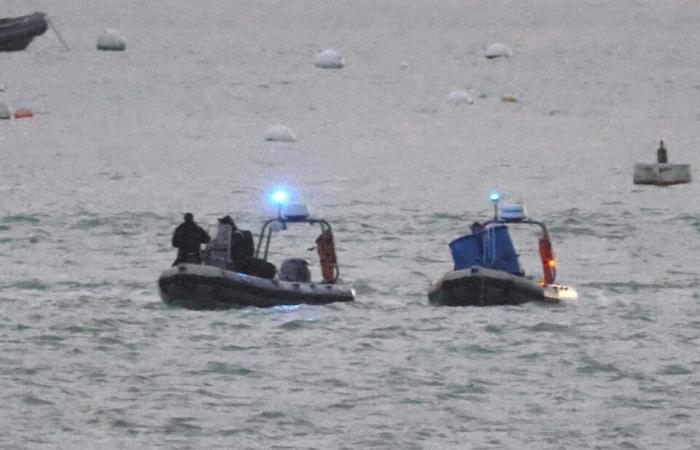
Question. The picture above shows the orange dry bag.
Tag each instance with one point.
(326, 253)
(548, 262)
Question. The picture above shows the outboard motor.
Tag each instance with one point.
(295, 269)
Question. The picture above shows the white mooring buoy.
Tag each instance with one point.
(459, 98)
(498, 50)
(5, 112)
(111, 40)
(661, 173)
(280, 133)
(329, 59)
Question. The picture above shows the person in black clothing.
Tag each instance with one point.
(241, 241)
(661, 154)
(187, 238)
(242, 251)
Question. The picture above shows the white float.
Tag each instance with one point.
(498, 50)
(661, 174)
(329, 59)
(280, 133)
(5, 112)
(459, 98)
(111, 40)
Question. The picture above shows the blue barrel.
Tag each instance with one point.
(466, 251)
(492, 247)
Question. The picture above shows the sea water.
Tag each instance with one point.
(123, 143)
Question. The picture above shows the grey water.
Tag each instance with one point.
(123, 143)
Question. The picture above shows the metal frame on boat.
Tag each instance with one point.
(283, 221)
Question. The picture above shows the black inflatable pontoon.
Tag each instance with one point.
(197, 286)
(16, 33)
(479, 286)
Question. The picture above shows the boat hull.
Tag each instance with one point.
(18, 32)
(479, 286)
(196, 286)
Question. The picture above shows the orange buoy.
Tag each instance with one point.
(23, 113)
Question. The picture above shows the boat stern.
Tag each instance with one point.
(560, 292)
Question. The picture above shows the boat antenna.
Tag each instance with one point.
(58, 35)
(280, 197)
(495, 197)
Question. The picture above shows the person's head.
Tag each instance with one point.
(228, 220)
(189, 217)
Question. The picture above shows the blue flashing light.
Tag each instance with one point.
(494, 196)
(280, 196)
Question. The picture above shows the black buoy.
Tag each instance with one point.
(661, 154)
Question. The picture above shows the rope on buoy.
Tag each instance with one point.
(58, 35)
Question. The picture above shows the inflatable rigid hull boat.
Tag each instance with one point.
(196, 286)
(487, 269)
(16, 33)
(235, 274)
(480, 286)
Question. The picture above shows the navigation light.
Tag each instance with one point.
(280, 196)
(495, 197)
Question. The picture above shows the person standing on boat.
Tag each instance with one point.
(242, 251)
(661, 154)
(187, 238)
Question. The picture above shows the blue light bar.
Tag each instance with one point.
(280, 196)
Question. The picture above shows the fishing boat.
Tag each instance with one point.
(487, 270)
(221, 282)
(16, 33)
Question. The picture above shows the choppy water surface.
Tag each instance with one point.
(122, 144)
